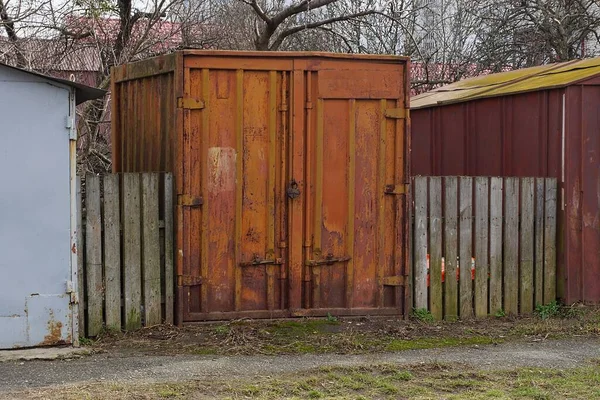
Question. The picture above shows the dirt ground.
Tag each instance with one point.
(346, 335)
(359, 358)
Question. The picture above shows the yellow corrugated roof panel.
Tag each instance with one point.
(511, 82)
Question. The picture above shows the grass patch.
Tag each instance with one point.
(385, 381)
(83, 341)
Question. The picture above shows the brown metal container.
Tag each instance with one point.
(538, 122)
(291, 177)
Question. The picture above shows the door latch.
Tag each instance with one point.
(328, 260)
(256, 260)
(293, 191)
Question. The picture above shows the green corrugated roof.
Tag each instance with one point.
(511, 82)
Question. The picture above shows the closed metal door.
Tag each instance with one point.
(355, 249)
(234, 207)
(35, 204)
(293, 198)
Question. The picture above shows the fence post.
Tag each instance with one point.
(466, 247)
(540, 195)
(169, 278)
(550, 242)
(526, 284)
(93, 255)
(435, 247)
(482, 218)
(511, 246)
(496, 225)
(112, 251)
(151, 250)
(132, 251)
(420, 299)
(450, 248)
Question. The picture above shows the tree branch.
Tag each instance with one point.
(258, 10)
(9, 27)
(299, 28)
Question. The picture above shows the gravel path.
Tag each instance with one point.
(115, 367)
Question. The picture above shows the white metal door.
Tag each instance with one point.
(35, 212)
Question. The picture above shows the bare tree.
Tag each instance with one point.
(64, 37)
(276, 20)
(532, 32)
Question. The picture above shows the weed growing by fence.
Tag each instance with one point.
(423, 315)
(548, 311)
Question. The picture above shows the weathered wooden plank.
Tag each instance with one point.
(410, 268)
(80, 260)
(420, 261)
(151, 249)
(93, 254)
(169, 273)
(466, 247)
(435, 247)
(132, 257)
(526, 247)
(540, 195)
(450, 248)
(112, 251)
(550, 241)
(511, 246)
(496, 245)
(481, 245)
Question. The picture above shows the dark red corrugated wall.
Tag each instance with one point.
(493, 136)
(521, 135)
(582, 193)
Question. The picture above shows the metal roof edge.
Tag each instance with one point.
(481, 94)
(297, 54)
(83, 92)
(521, 79)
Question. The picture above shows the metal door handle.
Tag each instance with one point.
(329, 260)
(260, 261)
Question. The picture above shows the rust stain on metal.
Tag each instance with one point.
(221, 164)
(292, 158)
(54, 329)
(74, 248)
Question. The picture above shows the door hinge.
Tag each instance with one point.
(187, 200)
(393, 281)
(70, 125)
(188, 280)
(74, 296)
(189, 103)
(397, 113)
(396, 189)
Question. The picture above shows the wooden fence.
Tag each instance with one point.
(125, 242)
(505, 231)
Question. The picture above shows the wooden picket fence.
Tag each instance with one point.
(505, 231)
(125, 242)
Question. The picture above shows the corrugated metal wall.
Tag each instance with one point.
(490, 137)
(291, 173)
(143, 122)
(522, 135)
(582, 193)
